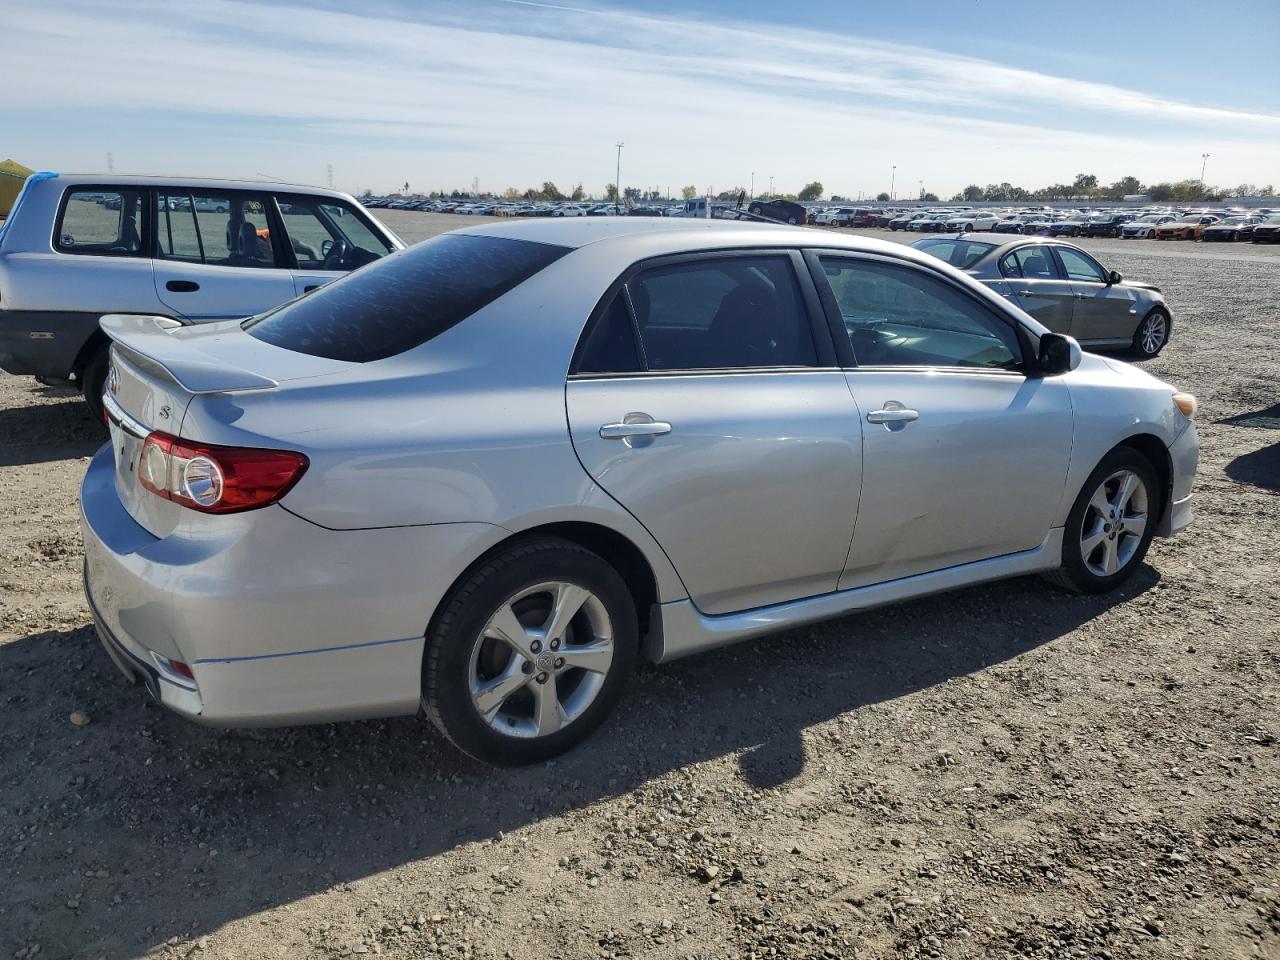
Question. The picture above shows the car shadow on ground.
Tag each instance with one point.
(59, 429)
(153, 827)
(1260, 467)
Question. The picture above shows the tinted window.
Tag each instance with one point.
(328, 235)
(224, 230)
(1031, 263)
(610, 344)
(899, 316)
(736, 312)
(959, 253)
(403, 300)
(1078, 266)
(105, 223)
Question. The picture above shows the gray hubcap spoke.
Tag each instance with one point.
(548, 713)
(541, 659)
(595, 657)
(489, 697)
(1114, 523)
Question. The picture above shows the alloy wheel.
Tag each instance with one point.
(541, 659)
(1114, 523)
(1154, 331)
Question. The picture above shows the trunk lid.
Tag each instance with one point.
(157, 368)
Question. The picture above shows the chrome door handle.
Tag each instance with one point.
(1024, 293)
(893, 415)
(624, 431)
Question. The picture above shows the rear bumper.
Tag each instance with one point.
(280, 620)
(43, 343)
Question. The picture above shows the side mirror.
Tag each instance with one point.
(1059, 354)
(1113, 277)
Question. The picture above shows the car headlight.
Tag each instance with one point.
(1187, 404)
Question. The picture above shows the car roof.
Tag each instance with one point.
(195, 183)
(578, 232)
(998, 247)
(621, 241)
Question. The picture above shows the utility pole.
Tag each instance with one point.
(921, 189)
(771, 187)
(1204, 160)
(893, 179)
(753, 185)
(111, 163)
(617, 182)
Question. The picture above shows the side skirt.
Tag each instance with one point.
(680, 630)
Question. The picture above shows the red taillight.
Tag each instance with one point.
(216, 479)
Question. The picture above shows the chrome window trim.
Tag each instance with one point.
(701, 372)
(980, 371)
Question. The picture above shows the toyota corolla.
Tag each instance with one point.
(484, 475)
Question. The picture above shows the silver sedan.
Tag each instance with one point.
(486, 474)
(1064, 288)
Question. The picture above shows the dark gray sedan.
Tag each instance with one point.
(1064, 288)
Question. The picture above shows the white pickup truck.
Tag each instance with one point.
(76, 247)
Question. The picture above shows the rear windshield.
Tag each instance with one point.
(405, 299)
(959, 253)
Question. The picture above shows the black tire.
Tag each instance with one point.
(93, 380)
(1138, 349)
(462, 617)
(1075, 574)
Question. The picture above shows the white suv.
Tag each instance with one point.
(79, 246)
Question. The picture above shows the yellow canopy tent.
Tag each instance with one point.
(12, 176)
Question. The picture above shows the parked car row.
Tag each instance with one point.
(518, 208)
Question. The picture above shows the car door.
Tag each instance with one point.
(707, 401)
(965, 456)
(1103, 311)
(325, 239)
(215, 256)
(1033, 280)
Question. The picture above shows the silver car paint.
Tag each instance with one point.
(753, 542)
(420, 463)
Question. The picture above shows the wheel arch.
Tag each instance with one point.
(97, 341)
(613, 547)
(1156, 453)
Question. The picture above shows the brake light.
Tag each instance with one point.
(216, 479)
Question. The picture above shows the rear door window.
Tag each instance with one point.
(102, 222)
(739, 312)
(216, 229)
(404, 300)
(1030, 263)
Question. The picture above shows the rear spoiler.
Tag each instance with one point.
(152, 339)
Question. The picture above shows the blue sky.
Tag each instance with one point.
(512, 92)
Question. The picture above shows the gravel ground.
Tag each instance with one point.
(1003, 771)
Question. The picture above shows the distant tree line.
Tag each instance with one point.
(1086, 186)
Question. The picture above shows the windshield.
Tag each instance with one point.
(405, 299)
(961, 254)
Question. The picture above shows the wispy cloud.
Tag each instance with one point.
(517, 91)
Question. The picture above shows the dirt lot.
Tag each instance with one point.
(1004, 771)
